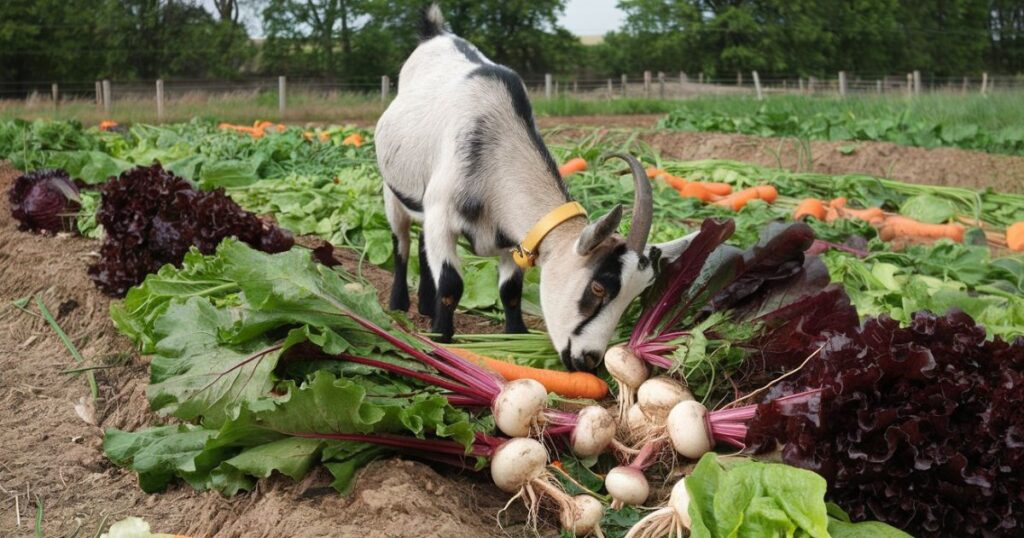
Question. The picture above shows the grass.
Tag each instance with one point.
(246, 107)
(992, 112)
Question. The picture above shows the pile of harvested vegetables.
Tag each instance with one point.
(782, 376)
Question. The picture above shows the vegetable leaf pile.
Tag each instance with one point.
(152, 218)
(919, 427)
(740, 497)
(230, 340)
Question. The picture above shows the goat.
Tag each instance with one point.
(460, 153)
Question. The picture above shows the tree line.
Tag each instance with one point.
(85, 40)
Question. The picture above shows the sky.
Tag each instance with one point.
(581, 17)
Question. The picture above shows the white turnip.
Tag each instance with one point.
(518, 407)
(519, 466)
(594, 431)
(658, 395)
(587, 520)
(627, 485)
(672, 520)
(687, 426)
(629, 371)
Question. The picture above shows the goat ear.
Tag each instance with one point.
(671, 250)
(599, 230)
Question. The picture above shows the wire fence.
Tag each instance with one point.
(290, 92)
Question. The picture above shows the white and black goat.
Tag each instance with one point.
(459, 152)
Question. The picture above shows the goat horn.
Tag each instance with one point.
(643, 203)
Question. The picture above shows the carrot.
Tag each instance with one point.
(718, 189)
(767, 193)
(107, 125)
(576, 164)
(354, 139)
(811, 207)
(675, 182)
(655, 172)
(1015, 237)
(837, 202)
(874, 215)
(903, 227)
(738, 199)
(695, 190)
(325, 136)
(567, 384)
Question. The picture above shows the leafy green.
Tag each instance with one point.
(742, 497)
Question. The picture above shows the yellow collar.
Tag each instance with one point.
(525, 253)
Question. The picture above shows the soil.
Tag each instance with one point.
(938, 166)
(51, 453)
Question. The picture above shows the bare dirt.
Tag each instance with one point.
(938, 166)
(51, 454)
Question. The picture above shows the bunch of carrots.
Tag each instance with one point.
(715, 193)
(354, 139)
(257, 130)
(890, 226)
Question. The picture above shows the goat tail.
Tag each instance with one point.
(432, 24)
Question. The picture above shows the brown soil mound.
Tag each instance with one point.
(939, 166)
(51, 453)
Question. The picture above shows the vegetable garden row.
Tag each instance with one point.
(800, 377)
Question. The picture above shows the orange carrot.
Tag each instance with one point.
(675, 182)
(655, 172)
(739, 199)
(874, 215)
(107, 125)
(903, 227)
(767, 193)
(695, 190)
(576, 164)
(1015, 237)
(811, 207)
(567, 384)
(354, 139)
(837, 202)
(325, 136)
(718, 189)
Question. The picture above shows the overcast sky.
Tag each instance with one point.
(582, 17)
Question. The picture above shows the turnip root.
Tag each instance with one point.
(672, 520)
(518, 407)
(589, 512)
(519, 466)
(629, 371)
(687, 426)
(658, 395)
(594, 431)
(627, 485)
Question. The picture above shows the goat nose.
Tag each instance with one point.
(588, 362)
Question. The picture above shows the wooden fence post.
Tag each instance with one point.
(917, 82)
(647, 84)
(99, 94)
(842, 84)
(757, 86)
(159, 99)
(55, 93)
(683, 79)
(878, 86)
(810, 84)
(107, 97)
(385, 88)
(282, 95)
(739, 78)
(611, 89)
(625, 81)
(661, 84)
(963, 87)
(575, 86)
(800, 83)
(547, 85)
(700, 78)
(984, 82)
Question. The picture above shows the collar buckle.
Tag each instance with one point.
(525, 253)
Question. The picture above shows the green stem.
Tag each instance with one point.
(93, 388)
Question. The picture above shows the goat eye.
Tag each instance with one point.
(597, 289)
